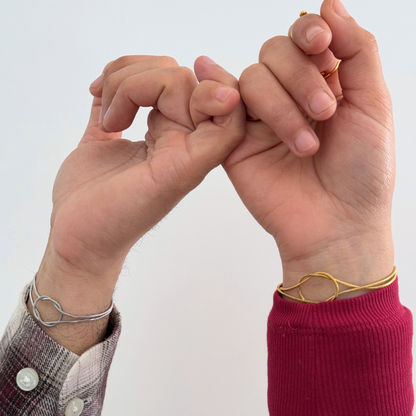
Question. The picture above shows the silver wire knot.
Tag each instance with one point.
(58, 307)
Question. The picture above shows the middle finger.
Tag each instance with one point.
(299, 76)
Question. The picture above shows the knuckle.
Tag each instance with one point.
(271, 45)
(110, 84)
(151, 120)
(118, 64)
(167, 61)
(123, 61)
(302, 74)
(281, 114)
(184, 75)
(251, 73)
(203, 85)
(371, 41)
(203, 91)
(107, 66)
(251, 77)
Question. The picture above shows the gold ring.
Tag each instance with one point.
(328, 74)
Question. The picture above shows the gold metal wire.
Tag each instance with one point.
(328, 74)
(371, 286)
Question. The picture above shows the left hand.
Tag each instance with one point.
(328, 210)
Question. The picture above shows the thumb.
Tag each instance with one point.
(217, 113)
(360, 72)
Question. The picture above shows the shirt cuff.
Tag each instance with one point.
(62, 374)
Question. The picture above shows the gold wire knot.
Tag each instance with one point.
(328, 74)
(371, 286)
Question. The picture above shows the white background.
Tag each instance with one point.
(196, 291)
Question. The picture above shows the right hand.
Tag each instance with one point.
(110, 191)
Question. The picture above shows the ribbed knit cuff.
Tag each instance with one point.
(349, 357)
(339, 315)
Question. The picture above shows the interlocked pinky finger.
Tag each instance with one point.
(211, 99)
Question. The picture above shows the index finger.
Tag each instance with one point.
(122, 63)
(167, 89)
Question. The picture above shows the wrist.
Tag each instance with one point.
(358, 261)
(78, 293)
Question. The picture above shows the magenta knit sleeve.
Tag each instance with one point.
(350, 357)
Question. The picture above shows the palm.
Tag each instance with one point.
(104, 185)
(109, 192)
(305, 201)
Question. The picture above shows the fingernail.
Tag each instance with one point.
(313, 32)
(320, 101)
(106, 115)
(305, 141)
(223, 93)
(208, 61)
(97, 83)
(340, 9)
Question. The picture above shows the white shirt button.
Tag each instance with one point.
(27, 379)
(74, 407)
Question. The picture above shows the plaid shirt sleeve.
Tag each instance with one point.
(63, 375)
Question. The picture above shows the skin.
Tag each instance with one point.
(328, 207)
(110, 191)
